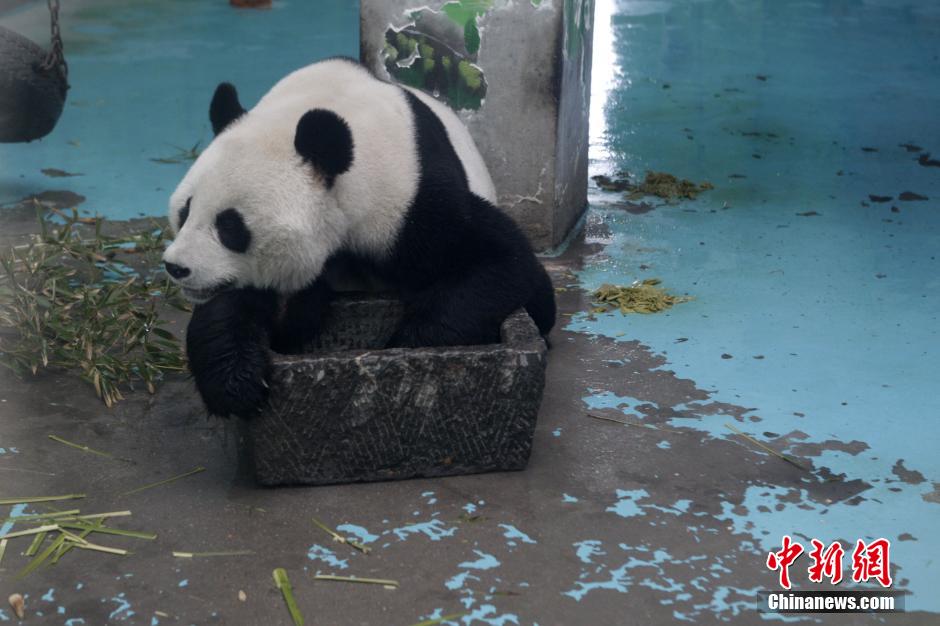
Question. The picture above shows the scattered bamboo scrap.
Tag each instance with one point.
(629, 423)
(34, 499)
(79, 446)
(340, 539)
(440, 620)
(70, 530)
(387, 583)
(643, 296)
(280, 579)
(167, 481)
(193, 555)
(767, 448)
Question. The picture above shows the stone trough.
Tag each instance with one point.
(350, 411)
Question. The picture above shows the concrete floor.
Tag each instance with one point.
(812, 330)
(609, 524)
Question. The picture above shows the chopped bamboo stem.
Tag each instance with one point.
(30, 500)
(339, 538)
(779, 455)
(84, 448)
(35, 545)
(31, 531)
(167, 481)
(355, 579)
(280, 579)
(191, 555)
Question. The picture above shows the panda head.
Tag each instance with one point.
(257, 208)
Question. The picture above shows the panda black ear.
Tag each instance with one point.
(324, 140)
(225, 107)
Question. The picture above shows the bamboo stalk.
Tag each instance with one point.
(32, 499)
(31, 531)
(35, 545)
(439, 620)
(339, 538)
(353, 579)
(280, 579)
(191, 555)
(160, 483)
(83, 448)
(779, 455)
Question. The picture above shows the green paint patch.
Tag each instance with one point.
(462, 11)
(422, 61)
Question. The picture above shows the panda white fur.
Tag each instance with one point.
(331, 168)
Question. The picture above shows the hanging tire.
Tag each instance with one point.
(31, 99)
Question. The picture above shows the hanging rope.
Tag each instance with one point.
(56, 57)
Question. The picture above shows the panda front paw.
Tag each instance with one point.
(237, 388)
(227, 346)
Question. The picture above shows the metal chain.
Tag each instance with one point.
(56, 57)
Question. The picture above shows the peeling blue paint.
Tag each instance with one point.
(75, 621)
(434, 530)
(361, 534)
(457, 581)
(626, 505)
(48, 596)
(664, 445)
(17, 510)
(556, 432)
(316, 552)
(587, 549)
(486, 561)
(123, 610)
(568, 499)
(514, 533)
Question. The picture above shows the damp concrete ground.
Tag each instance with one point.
(812, 265)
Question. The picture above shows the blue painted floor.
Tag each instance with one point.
(816, 306)
(813, 328)
(142, 75)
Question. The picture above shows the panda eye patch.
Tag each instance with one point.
(184, 213)
(233, 233)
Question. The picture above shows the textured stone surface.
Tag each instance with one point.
(350, 412)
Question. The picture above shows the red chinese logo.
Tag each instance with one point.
(869, 561)
(872, 561)
(826, 562)
(784, 559)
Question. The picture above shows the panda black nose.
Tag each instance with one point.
(176, 271)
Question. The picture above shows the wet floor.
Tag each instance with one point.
(813, 263)
(812, 329)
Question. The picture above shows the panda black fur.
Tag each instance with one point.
(376, 177)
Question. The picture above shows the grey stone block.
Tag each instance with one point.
(351, 412)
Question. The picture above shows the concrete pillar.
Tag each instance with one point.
(519, 74)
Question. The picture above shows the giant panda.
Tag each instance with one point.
(334, 168)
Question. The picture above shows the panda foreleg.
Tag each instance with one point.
(227, 346)
(299, 324)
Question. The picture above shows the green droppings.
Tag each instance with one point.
(428, 65)
(427, 52)
(391, 52)
(641, 297)
(471, 74)
(659, 184)
(446, 62)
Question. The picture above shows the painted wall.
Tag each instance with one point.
(518, 73)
